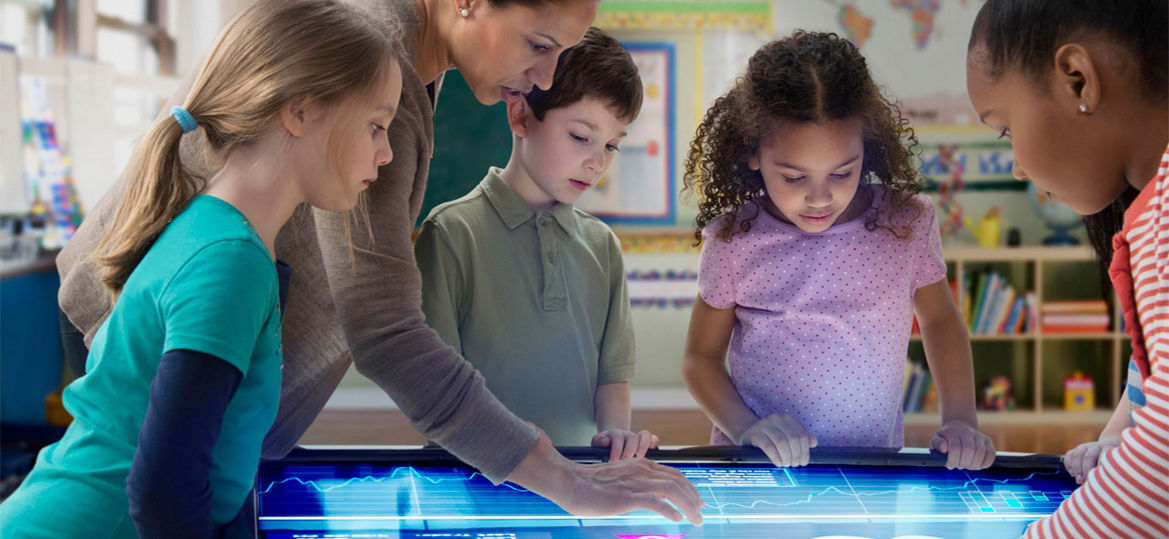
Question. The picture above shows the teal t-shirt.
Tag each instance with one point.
(208, 285)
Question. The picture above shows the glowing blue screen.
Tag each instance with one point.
(364, 500)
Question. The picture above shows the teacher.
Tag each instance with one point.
(356, 292)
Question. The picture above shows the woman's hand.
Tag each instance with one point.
(624, 444)
(782, 438)
(608, 489)
(627, 485)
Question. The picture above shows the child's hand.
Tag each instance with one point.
(965, 447)
(1081, 459)
(624, 444)
(782, 438)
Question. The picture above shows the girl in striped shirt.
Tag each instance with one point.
(1080, 89)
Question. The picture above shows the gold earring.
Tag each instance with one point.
(464, 11)
(1083, 108)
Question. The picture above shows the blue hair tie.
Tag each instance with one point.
(186, 121)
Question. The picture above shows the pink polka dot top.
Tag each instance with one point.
(822, 320)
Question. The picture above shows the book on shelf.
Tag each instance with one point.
(1001, 310)
(986, 282)
(995, 307)
(1014, 321)
(1075, 316)
(1086, 306)
(918, 392)
(964, 301)
(1031, 322)
(1076, 319)
(1069, 329)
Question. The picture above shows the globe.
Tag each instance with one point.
(1059, 217)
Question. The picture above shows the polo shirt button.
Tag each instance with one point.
(551, 258)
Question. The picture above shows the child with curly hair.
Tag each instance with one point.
(817, 251)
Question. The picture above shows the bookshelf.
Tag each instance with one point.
(1036, 362)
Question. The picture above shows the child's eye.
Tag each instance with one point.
(1005, 133)
(842, 175)
(578, 138)
(612, 148)
(539, 47)
(791, 179)
(375, 127)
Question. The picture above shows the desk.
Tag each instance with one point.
(31, 360)
(424, 493)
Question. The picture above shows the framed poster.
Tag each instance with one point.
(639, 187)
(741, 15)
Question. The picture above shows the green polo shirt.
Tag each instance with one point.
(537, 302)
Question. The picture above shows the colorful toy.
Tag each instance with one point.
(951, 220)
(989, 229)
(997, 394)
(1079, 392)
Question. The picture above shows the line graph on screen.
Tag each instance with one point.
(368, 491)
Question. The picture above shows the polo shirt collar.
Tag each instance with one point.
(515, 212)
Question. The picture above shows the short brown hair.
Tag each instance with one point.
(597, 67)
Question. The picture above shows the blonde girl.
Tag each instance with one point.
(183, 378)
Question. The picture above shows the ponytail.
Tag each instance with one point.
(272, 52)
(158, 188)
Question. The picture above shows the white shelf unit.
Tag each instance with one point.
(1032, 269)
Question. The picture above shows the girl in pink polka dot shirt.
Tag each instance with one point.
(817, 252)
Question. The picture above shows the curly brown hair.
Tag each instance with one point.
(806, 77)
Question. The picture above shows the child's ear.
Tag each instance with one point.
(1077, 81)
(753, 162)
(518, 116)
(294, 115)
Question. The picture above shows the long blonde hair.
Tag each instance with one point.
(271, 53)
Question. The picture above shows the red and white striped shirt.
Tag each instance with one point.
(1127, 494)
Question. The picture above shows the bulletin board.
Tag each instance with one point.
(639, 187)
(742, 15)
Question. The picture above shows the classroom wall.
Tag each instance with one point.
(921, 65)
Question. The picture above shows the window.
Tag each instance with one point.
(25, 25)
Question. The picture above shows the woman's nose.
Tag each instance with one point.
(1017, 170)
(541, 74)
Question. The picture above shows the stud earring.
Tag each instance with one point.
(1083, 108)
(464, 11)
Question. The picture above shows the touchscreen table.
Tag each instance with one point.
(367, 493)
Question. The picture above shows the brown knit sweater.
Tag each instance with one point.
(367, 311)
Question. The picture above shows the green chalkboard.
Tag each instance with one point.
(469, 137)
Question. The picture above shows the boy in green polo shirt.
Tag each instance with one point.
(530, 289)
